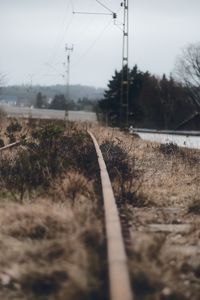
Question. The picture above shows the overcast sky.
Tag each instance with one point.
(33, 34)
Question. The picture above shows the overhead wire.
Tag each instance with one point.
(93, 43)
(55, 69)
(62, 23)
(111, 12)
(59, 40)
(103, 5)
(101, 33)
(70, 3)
(86, 27)
(91, 13)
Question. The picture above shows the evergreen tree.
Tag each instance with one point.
(153, 102)
(39, 100)
(58, 102)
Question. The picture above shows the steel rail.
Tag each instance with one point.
(119, 279)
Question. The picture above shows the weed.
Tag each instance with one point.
(48, 233)
(2, 115)
(47, 155)
(11, 130)
(134, 198)
(169, 149)
(144, 284)
(194, 207)
(197, 271)
(117, 160)
(187, 156)
(172, 295)
(43, 284)
(22, 173)
(1, 143)
(77, 186)
(122, 171)
(81, 155)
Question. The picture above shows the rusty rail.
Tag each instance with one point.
(119, 279)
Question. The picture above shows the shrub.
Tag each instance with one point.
(194, 207)
(47, 155)
(122, 173)
(11, 130)
(169, 148)
(1, 143)
(2, 115)
(117, 160)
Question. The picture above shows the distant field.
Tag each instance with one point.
(27, 112)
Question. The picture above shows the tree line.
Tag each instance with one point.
(59, 102)
(153, 102)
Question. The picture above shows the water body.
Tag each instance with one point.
(181, 140)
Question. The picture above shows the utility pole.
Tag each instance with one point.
(124, 105)
(68, 51)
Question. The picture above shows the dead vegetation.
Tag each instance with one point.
(47, 154)
(161, 215)
(122, 172)
(52, 240)
(47, 250)
(52, 236)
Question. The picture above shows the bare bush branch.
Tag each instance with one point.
(188, 71)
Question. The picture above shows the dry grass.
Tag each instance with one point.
(51, 247)
(164, 265)
(165, 179)
(52, 243)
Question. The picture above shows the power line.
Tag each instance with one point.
(55, 70)
(59, 40)
(111, 12)
(103, 5)
(84, 30)
(93, 43)
(91, 13)
(72, 5)
(99, 36)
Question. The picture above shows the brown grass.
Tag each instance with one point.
(49, 247)
(52, 243)
(163, 265)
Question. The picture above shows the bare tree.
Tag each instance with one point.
(188, 71)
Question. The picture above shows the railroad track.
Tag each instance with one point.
(119, 279)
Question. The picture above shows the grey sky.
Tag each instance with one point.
(34, 33)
